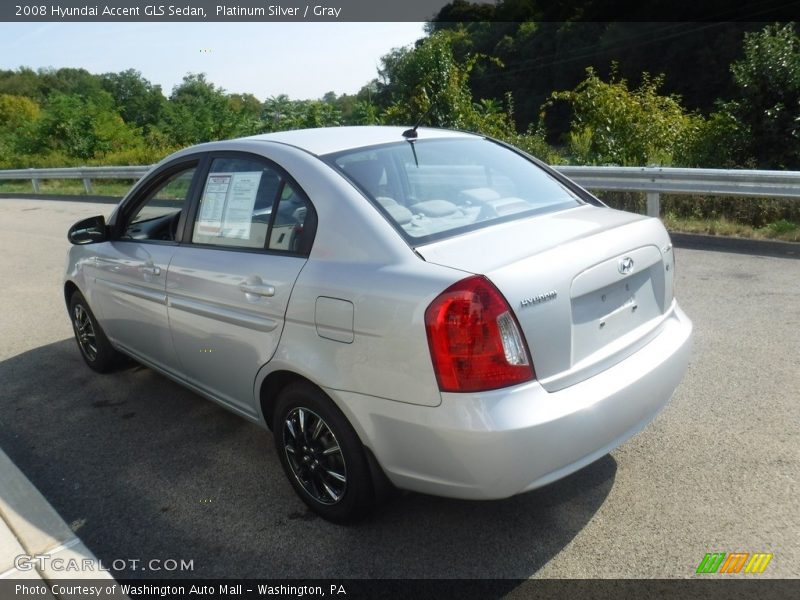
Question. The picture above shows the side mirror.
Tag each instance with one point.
(88, 231)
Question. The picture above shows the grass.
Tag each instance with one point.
(783, 230)
(70, 187)
(745, 217)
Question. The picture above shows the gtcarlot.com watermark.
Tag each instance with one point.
(29, 562)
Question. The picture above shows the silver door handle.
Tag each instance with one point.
(257, 289)
(152, 270)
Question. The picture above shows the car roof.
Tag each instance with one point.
(326, 140)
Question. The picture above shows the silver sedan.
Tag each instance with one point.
(418, 309)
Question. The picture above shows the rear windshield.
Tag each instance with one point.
(432, 189)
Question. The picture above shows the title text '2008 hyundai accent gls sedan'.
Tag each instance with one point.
(426, 308)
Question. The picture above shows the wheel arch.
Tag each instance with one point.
(271, 388)
(269, 391)
(70, 287)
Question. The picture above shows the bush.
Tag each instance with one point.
(612, 124)
(718, 142)
(781, 227)
(533, 142)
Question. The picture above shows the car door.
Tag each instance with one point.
(229, 286)
(130, 271)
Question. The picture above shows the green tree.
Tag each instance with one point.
(38, 85)
(428, 82)
(82, 128)
(69, 81)
(767, 104)
(22, 82)
(18, 118)
(547, 46)
(361, 108)
(317, 113)
(16, 112)
(245, 115)
(198, 111)
(139, 102)
(612, 124)
(365, 113)
(719, 141)
(280, 113)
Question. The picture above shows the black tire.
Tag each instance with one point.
(92, 342)
(324, 459)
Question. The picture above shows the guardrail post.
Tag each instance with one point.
(653, 204)
(35, 183)
(87, 185)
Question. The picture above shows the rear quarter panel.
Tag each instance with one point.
(359, 258)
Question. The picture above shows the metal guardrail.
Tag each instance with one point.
(653, 181)
(87, 174)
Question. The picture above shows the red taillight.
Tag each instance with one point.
(475, 341)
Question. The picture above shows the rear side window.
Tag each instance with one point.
(247, 203)
(291, 230)
(431, 189)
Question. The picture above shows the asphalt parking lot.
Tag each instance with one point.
(144, 469)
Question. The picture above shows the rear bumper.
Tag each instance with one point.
(500, 443)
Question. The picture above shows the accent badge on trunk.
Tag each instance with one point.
(538, 299)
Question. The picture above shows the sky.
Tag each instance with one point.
(302, 60)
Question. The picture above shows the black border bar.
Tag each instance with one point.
(394, 10)
(711, 587)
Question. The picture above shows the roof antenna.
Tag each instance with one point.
(411, 134)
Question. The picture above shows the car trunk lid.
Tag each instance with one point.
(588, 285)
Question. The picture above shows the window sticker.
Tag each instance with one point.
(213, 204)
(239, 205)
(226, 209)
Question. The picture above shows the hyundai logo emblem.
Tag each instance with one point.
(625, 265)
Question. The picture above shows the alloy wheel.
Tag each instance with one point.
(84, 332)
(314, 456)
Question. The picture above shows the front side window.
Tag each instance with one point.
(431, 189)
(158, 216)
(236, 203)
(247, 203)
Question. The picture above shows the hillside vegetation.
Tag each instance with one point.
(674, 94)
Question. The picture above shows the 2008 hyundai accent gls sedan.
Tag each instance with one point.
(426, 308)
